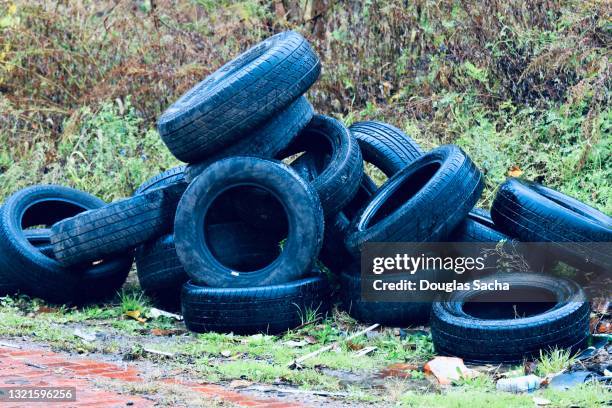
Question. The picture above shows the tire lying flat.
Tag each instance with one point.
(116, 227)
(534, 213)
(301, 207)
(40, 275)
(266, 309)
(267, 140)
(424, 202)
(239, 96)
(510, 339)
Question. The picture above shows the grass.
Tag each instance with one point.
(264, 359)
(581, 396)
(554, 361)
(517, 85)
(133, 302)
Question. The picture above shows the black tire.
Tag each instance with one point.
(266, 309)
(385, 146)
(534, 213)
(478, 227)
(173, 176)
(267, 140)
(424, 202)
(116, 227)
(507, 339)
(393, 314)
(339, 170)
(41, 239)
(160, 269)
(301, 207)
(98, 281)
(42, 276)
(239, 96)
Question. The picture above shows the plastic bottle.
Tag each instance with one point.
(516, 385)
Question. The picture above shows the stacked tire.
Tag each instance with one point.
(233, 236)
(248, 229)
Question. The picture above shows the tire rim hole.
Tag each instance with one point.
(520, 302)
(403, 192)
(48, 212)
(261, 240)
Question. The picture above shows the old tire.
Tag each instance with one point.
(116, 227)
(339, 170)
(267, 140)
(390, 150)
(424, 202)
(37, 237)
(160, 269)
(173, 176)
(486, 339)
(477, 227)
(42, 276)
(393, 314)
(580, 234)
(385, 146)
(301, 207)
(266, 309)
(239, 96)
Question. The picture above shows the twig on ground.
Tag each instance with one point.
(296, 363)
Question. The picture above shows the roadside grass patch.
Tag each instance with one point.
(585, 396)
(554, 361)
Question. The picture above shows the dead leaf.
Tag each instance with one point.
(135, 314)
(398, 370)
(46, 309)
(354, 346)
(448, 369)
(310, 339)
(515, 171)
(240, 384)
(164, 332)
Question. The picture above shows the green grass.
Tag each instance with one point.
(132, 301)
(215, 357)
(554, 361)
(586, 396)
(81, 88)
(264, 359)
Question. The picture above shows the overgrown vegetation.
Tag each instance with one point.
(522, 85)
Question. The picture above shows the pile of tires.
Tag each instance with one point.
(234, 235)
